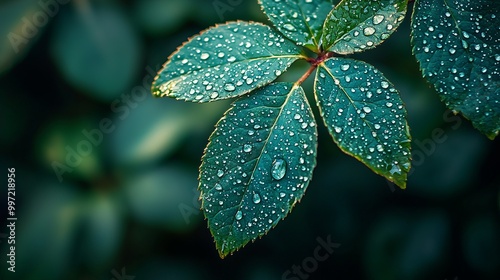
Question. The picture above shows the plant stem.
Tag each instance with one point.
(314, 64)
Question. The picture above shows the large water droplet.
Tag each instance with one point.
(218, 187)
(229, 87)
(204, 56)
(345, 67)
(256, 198)
(278, 170)
(238, 215)
(247, 148)
(377, 19)
(369, 31)
(289, 27)
(220, 173)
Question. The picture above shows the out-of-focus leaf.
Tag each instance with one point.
(48, 229)
(153, 128)
(300, 20)
(457, 44)
(481, 244)
(166, 197)
(19, 29)
(225, 61)
(68, 149)
(157, 17)
(257, 165)
(407, 246)
(102, 230)
(354, 26)
(96, 50)
(365, 116)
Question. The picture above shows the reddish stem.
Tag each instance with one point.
(322, 56)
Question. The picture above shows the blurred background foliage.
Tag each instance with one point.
(74, 82)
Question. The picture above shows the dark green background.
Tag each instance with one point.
(120, 207)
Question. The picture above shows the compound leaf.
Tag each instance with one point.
(365, 116)
(457, 44)
(257, 165)
(354, 26)
(225, 61)
(300, 20)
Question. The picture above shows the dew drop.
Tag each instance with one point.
(368, 31)
(338, 129)
(278, 170)
(256, 198)
(377, 19)
(384, 84)
(345, 67)
(214, 95)
(289, 27)
(282, 194)
(452, 50)
(238, 215)
(247, 148)
(367, 109)
(220, 173)
(204, 56)
(218, 187)
(229, 87)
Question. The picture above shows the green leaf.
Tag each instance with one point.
(365, 116)
(354, 26)
(96, 50)
(458, 47)
(300, 20)
(225, 61)
(257, 165)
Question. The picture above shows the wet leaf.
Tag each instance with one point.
(457, 44)
(300, 20)
(354, 26)
(365, 116)
(257, 165)
(225, 61)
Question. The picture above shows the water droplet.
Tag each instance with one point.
(214, 95)
(368, 31)
(380, 148)
(497, 57)
(367, 109)
(249, 81)
(452, 50)
(229, 87)
(221, 55)
(256, 198)
(218, 187)
(338, 129)
(345, 67)
(204, 56)
(289, 27)
(238, 215)
(247, 148)
(431, 28)
(282, 194)
(220, 173)
(377, 19)
(231, 59)
(278, 170)
(184, 61)
(384, 84)
(277, 72)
